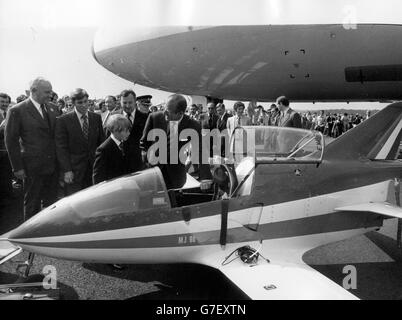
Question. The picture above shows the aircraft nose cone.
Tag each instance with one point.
(45, 224)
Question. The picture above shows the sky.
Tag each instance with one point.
(53, 38)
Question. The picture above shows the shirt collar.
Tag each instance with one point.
(176, 121)
(115, 140)
(36, 104)
(132, 113)
(79, 115)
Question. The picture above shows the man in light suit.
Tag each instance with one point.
(29, 138)
(78, 134)
(239, 119)
(288, 117)
(110, 103)
(137, 119)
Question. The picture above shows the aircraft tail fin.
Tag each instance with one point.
(377, 138)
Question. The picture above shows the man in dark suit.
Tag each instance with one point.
(288, 117)
(212, 116)
(78, 134)
(5, 166)
(110, 156)
(137, 119)
(29, 138)
(172, 123)
(222, 127)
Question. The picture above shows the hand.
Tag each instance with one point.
(144, 157)
(20, 174)
(205, 184)
(68, 177)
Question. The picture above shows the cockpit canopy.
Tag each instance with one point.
(276, 144)
(144, 190)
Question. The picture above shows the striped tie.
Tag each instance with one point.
(129, 118)
(85, 125)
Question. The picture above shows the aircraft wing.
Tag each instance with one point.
(283, 282)
(7, 249)
(383, 208)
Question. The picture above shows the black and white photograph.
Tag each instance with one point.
(200, 151)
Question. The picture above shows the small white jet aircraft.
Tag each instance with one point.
(288, 193)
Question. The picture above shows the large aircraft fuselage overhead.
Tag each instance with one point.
(328, 62)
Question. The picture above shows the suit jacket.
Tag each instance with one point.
(30, 140)
(231, 123)
(132, 145)
(3, 151)
(105, 115)
(222, 123)
(74, 152)
(290, 119)
(177, 172)
(212, 121)
(109, 162)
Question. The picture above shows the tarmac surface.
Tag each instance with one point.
(375, 255)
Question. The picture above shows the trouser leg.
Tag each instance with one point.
(49, 189)
(32, 190)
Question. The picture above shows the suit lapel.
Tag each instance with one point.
(116, 149)
(91, 126)
(136, 122)
(36, 115)
(285, 117)
(77, 125)
(222, 121)
(182, 124)
(52, 117)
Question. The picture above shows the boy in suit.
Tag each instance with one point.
(137, 118)
(110, 157)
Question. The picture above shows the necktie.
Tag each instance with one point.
(45, 114)
(85, 125)
(129, 118)
(238, 121)
(121, 147)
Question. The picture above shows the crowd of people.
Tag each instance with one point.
(55, 147)
(332, 125)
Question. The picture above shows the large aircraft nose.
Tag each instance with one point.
(112, 38)
(141, 54)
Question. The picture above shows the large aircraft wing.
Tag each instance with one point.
(383, 208)
(7, 249)
(283, 282)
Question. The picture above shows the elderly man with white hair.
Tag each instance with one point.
(30, 143)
